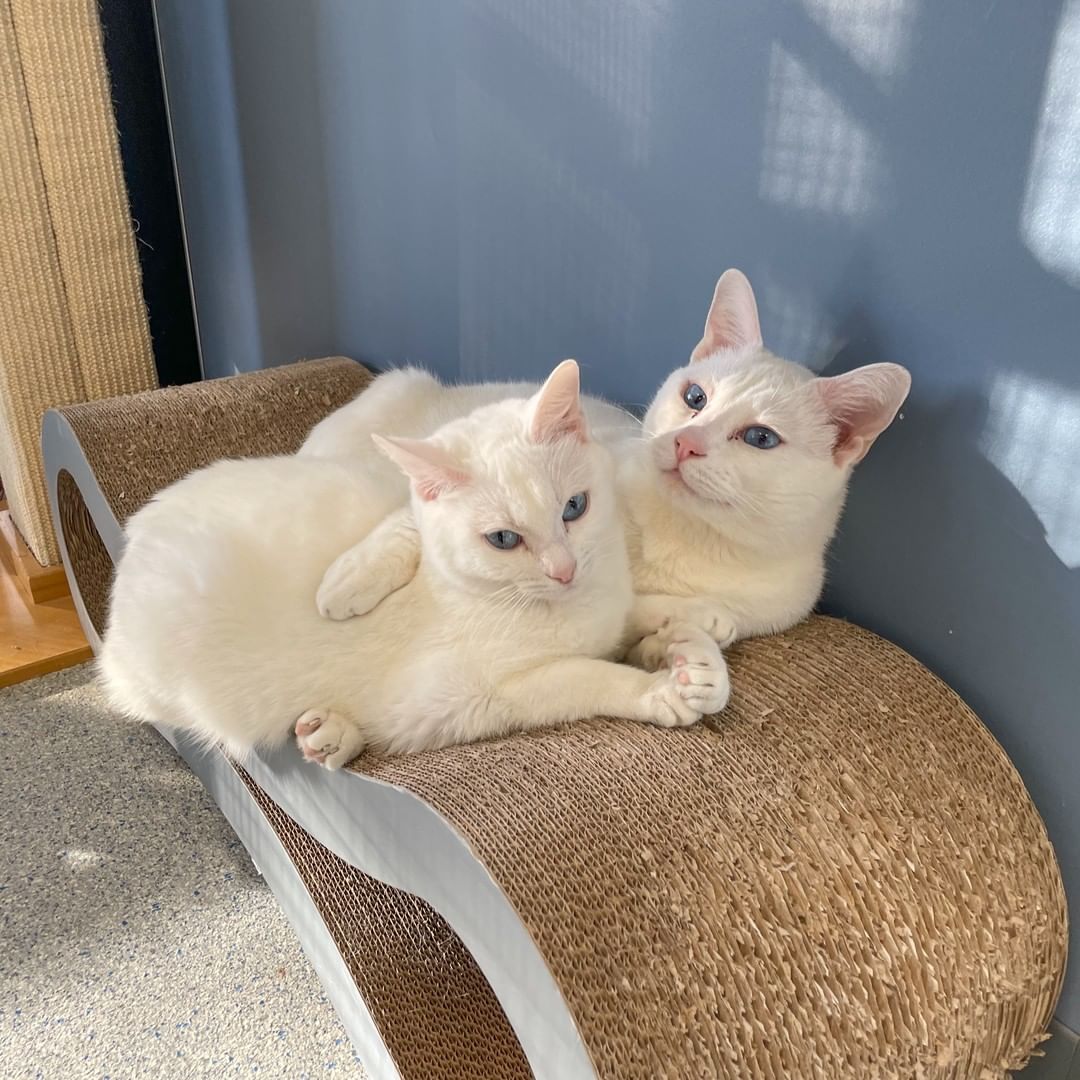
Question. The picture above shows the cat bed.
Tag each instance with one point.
(840, 876)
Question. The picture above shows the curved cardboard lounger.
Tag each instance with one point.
(841, 876)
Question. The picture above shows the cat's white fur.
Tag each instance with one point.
(731, 537)
(213, 628)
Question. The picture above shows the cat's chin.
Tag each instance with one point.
(680, 490)
(675, 483)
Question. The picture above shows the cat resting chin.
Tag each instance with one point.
(730, 490)
(518, 590)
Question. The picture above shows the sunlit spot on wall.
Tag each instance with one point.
(816, 156)
(1032, 436)
(1050, 218)
(610, 49)
(876, 34)
(795, 324)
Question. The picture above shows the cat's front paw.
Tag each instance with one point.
(712, 617)
(699, 668)
(346, 591)
(327, 738)
(651, 652)
(696, 681)
(666, 705)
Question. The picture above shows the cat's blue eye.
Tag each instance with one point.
(575, 506)
(762, 438)
(503, 539)
(695, 397)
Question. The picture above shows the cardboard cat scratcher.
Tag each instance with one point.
(841, 876)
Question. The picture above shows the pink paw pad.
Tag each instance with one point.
(308, 723)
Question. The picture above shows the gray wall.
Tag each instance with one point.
(490, 186)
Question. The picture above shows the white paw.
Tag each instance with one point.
(666, 706)
(714, 619)
(327, 738)
(651, 653)
(346, 590)
(699, 668)
(695, 682)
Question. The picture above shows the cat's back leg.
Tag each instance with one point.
(398, 402)
(328, 737)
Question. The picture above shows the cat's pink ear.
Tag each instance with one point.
(733, 317)
(432, 470)
(557, 408)
(862, 404)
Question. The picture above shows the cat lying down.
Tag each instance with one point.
(730, 490)
(522, 593)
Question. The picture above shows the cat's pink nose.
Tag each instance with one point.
(560, 567)
(688, 444)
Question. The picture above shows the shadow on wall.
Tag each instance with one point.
(287, 226)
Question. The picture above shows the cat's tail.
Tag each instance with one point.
(130, 695)
(126, 692)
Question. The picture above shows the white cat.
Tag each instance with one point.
(524, 581)
(730, 498)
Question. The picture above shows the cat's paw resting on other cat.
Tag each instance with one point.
(346, 591)
(328, 738)
(361, 578)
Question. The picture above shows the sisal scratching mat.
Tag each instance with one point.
(73, 325)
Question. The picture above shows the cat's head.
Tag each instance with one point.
(758, 446)
(515, 496)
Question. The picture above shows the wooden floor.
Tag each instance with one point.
(34, 638)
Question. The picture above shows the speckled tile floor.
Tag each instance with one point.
(136, 939)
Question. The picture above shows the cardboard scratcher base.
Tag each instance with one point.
(840, 877)
(432, 1005)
